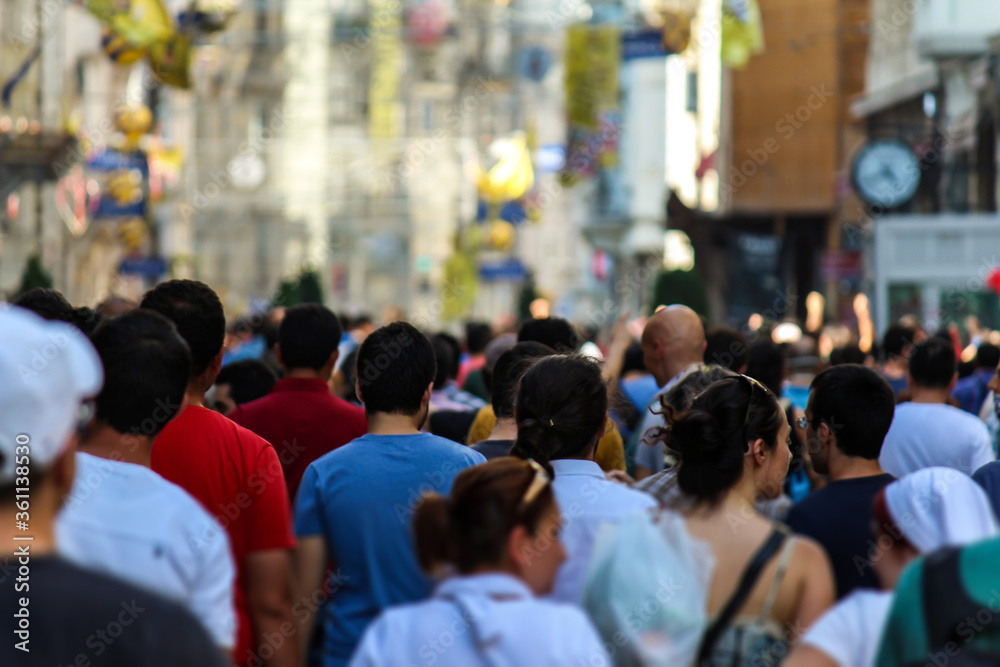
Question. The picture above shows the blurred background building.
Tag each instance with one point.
(462, 158)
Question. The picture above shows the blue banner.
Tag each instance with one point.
(643, 44)
(123, 178)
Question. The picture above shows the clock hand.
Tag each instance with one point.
(887, 172)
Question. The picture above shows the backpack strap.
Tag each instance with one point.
(747, 582)
(946, 601)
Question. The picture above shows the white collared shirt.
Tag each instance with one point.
(127, 522)
(587, 500)
(485, 619)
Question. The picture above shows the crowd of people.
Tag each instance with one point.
(315, 490)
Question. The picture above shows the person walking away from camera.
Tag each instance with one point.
(673, 342)
(733, 450)
(55, 612)
(496, 540)
(926, 431)
(235, 475)
(507, 372)
(561, 412)
(300, 417)
(925, 511)
(121, 518)
(356, 503)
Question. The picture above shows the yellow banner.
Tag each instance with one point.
(383, 90)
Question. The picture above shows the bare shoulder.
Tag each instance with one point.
(809, 556)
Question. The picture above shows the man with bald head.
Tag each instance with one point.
(673, 343)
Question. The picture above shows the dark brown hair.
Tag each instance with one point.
(470, 528)
(562, 403)
(712, 437)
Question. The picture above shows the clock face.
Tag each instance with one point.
(886, 173)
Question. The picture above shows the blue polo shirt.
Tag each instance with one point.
(361, 498)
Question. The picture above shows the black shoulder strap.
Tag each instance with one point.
(749, 579)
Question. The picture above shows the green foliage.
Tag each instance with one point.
(34, 276)
(684, 287)
(303, 288)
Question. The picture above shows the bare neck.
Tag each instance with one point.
(506, 429)
(927, 395)
(309, 373)
(105, 442)
(385, 423)
(851, 467)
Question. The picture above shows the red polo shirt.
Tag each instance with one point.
(237, 477)
(303, 421)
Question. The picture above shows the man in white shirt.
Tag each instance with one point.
(673, 342)
(927, 431)
(121, 518)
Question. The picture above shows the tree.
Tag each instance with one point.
(684, 287)
(302, 288)
(34, 276)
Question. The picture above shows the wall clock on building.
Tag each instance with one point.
(886, 173)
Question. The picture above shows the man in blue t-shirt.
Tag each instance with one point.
(849, 412)
(355, 503)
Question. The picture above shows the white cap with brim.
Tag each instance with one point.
(47, 370)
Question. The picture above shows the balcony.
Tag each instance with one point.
(953, 28)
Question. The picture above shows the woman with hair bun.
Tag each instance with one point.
(732, 445)
(561, 411)
(496, 539)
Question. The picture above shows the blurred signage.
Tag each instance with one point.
(842, 265)
(383, 91)
(593, 57)
(122, 178)
(533, 62)
(510, 269)
(148, 267)
(646, 43)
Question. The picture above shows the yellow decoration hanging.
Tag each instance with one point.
(512, 176)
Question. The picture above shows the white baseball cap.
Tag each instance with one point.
(47, 370)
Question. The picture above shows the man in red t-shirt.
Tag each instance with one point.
(236, 475)
(300, 417)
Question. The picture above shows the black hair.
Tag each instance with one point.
(349, 369)
(477, 335)
(362, 320)
(712, 437)
(988, 356)
(308, 335)
(248, 380)
(444, 357)
(555, 332)
(633, 359)
(196, 312)
(725, 346)
(682, 393)
(146, 370)
(86, 319)
(766, 364)
(847, 354)
(395, 366)
(456, 353)
(932, 363)
(857, 404)
(509, 368)
(561, 406)
(896, 339)
(470, 529)
(47, 303)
